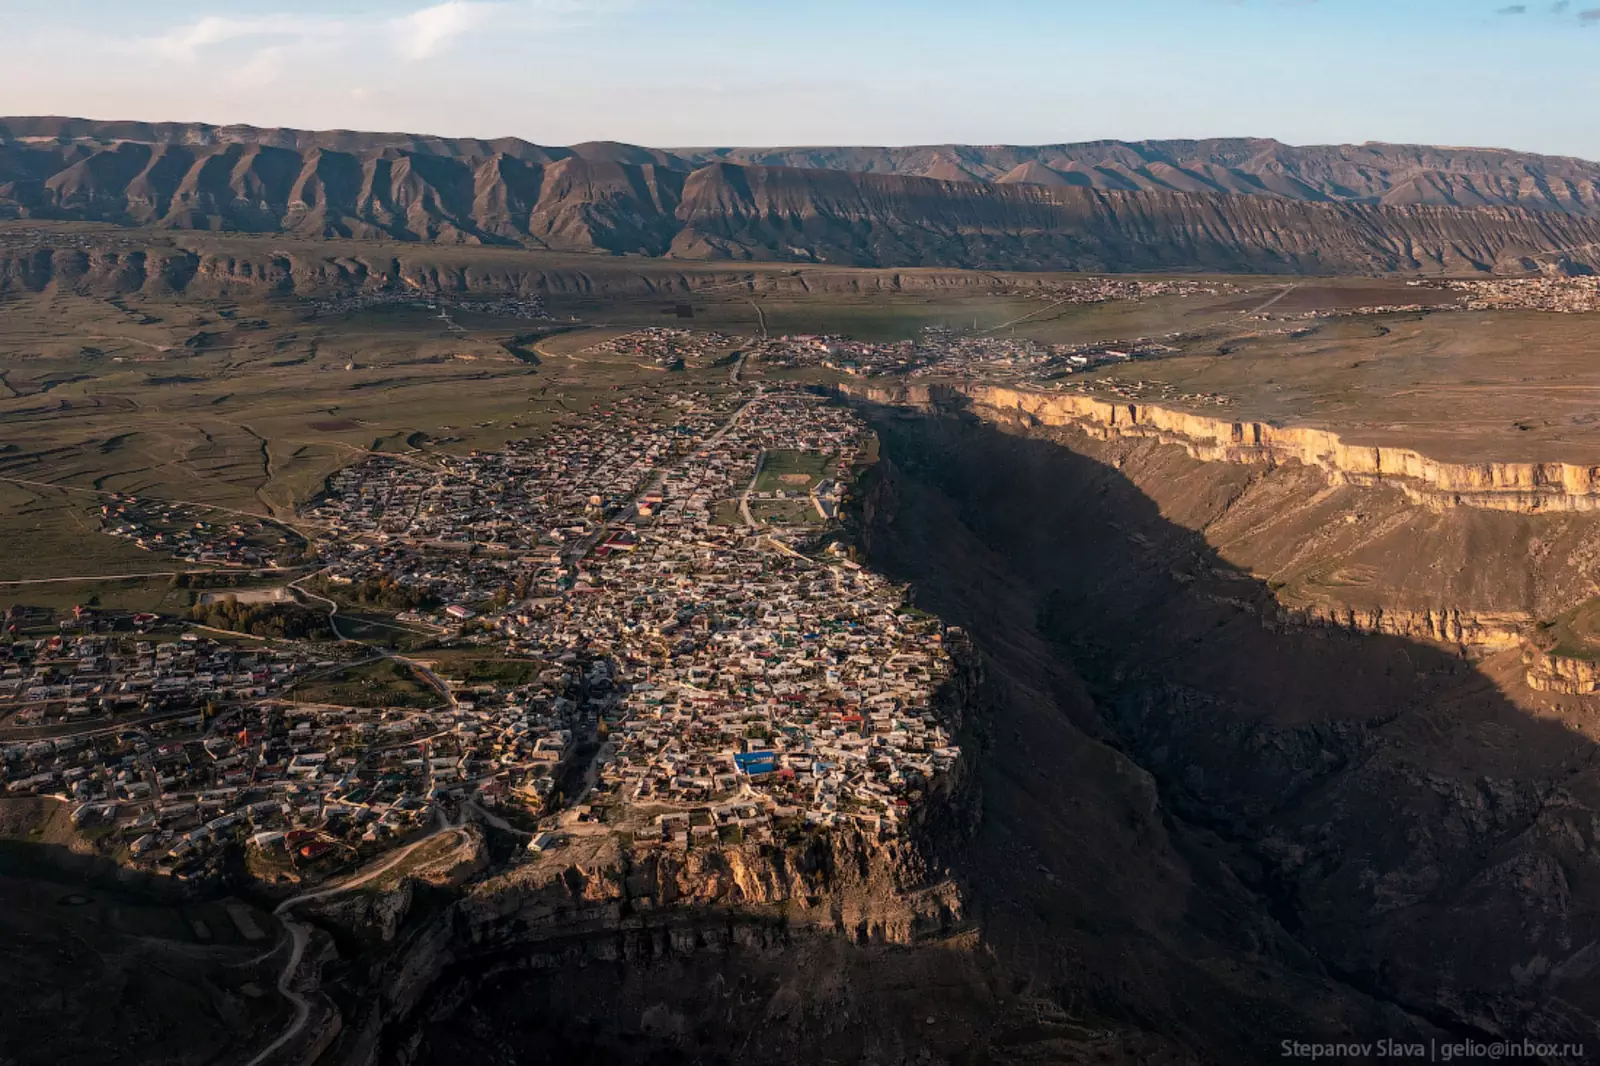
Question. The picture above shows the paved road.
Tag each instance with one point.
(744, 497)
(1286, 290)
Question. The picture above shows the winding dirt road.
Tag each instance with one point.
(300, 937)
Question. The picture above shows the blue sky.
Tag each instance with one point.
(698, 72)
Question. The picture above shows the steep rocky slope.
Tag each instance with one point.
(1360, 537)
(1425, 836)
(1524, 487)
(107, 262)
(1398, 174)
(1363, 211)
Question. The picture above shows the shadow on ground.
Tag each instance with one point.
(1217, 828)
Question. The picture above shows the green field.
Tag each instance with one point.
(799, 512)
(791, 471)
(376, 684)
(480, 665)
(102, 396)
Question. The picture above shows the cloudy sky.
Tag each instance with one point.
(701, 72)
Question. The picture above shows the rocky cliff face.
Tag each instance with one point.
(601, 908)
(1477, 631)
(1365, 539)
(110, 263)
(622, 200)
(420, 970)
(1397, 174)
(1427, 840)
(1549, 672)
(1523, 488)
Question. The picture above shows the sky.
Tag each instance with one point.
(680, 73)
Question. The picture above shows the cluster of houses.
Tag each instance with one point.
(944, 352)
(752, 675)
(184, 532)
(93, 678)
(488, 525)
(528, 306)
(666, 347)
(1147, 392)
(655, 652)
(1574, 295)
(1094, 290)
(173, 750)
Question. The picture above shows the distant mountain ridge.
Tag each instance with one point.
(1228, 204)
(1391, 174)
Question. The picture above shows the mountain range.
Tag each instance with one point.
(1236, 204)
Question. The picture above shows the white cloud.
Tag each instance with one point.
(186, 42)
(418, 34)
(422, 33)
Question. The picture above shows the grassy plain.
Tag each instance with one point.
(248, 405)
(1456, 385)
(98, 401)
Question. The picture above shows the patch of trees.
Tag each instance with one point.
(286, 621)
(384, 593)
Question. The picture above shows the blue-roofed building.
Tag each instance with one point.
(754, 763)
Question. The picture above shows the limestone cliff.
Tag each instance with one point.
(1521, 487)
(599, 903)
(1549, 672)
(1363, 539)
(1478, 631)
(1423, 830)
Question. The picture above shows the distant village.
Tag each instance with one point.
(946, 353)
(1567, 295)
(529, 306)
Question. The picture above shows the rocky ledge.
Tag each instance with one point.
(1524, 488)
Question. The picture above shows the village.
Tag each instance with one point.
(942, 352)
(527, 306)
(666, 633)
(1566, 295)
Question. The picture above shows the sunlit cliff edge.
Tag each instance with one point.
(1521, 488)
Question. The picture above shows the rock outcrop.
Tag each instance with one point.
(601, 904)
(1549, 672)
(1480, 632)
(1426, 833)
(1521, 487)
